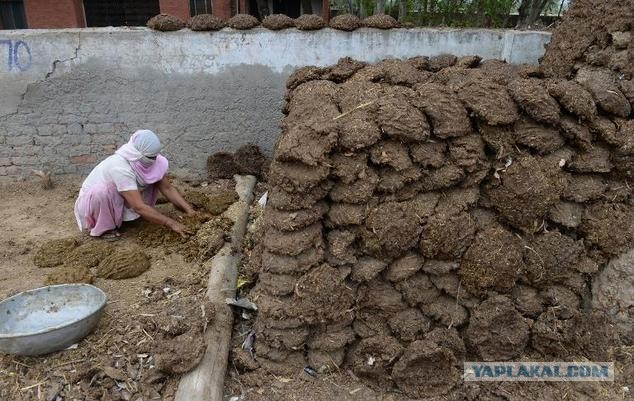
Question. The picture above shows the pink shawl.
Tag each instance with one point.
(140, 152)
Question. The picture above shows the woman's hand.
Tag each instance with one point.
(172, 195)
(149, 213)
(180, 228)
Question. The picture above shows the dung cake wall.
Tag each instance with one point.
(593, 32)
(428, 210)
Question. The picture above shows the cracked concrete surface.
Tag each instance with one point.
(58, 45)
(67, 60)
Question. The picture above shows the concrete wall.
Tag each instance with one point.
(69, 97)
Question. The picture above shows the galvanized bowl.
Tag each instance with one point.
(49, 319)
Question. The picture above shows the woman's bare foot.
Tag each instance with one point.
(112, 235)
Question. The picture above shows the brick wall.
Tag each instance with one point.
(177, 8)
(221, 8)
(54, 14)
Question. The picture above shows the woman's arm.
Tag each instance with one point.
(134, 200)
(172, 195)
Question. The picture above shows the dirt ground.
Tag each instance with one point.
(151, 330)
(29, 216)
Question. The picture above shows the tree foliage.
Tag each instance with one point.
(457, 13)
(530, 10)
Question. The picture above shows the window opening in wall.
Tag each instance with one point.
(290, 8)
(12, 14)
(199, 7)
(120, 12)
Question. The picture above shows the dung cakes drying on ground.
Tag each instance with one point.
(122, 264)
(89, 254)
(70, 274)
(53, 252)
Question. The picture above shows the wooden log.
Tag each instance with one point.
(206, 381)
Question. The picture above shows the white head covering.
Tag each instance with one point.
(146, 142)
(143, 147)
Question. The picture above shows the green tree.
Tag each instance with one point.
(530, 10)
(379, 7)
(402, 10)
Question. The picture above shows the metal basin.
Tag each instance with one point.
(49, 319)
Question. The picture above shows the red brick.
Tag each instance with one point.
(325, 10)
(54, 14)
(221, 8)
(109, 148)
(177, 8)
(83, 159)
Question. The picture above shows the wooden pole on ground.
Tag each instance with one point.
(206, 381)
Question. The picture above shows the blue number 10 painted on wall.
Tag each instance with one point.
(18, 55)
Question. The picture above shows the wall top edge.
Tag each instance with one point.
(259, 30)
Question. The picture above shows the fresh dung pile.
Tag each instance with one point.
(214, 203)
(247, 159)
(208, 232)
(429, 211)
